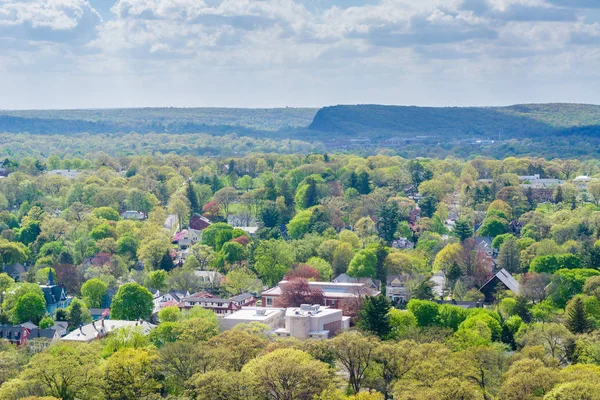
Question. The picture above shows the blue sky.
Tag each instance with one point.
(272, 53)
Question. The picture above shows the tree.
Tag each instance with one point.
(236, 347)
(364, 184)
(192, 197)
(558, 195)
(303, 271)
(509, 256)
(578, 320)
(29, 307)
(12, 253)
(425, 311)
(200, 327)
(395, 360)
(311, 195)
(493, 226)
(132, 302)
(157, 279)
(179, 361)
(463, 230)
(363, 265)
(128, 375)
(273, 259)
(78, 314)
(388, 216)
(107, 213)
(287, 374)
(225, 197)
(66, 371)
(593, 188)
(221, 385)
(93, 292)
(5, 282)
(241, 280)
(297, 291)
(324, 268)
(355, 352)
(374, 316)
(428, 206)
(269, 215)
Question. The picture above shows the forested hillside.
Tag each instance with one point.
(519, 121)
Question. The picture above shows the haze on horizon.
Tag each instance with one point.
(65, 54)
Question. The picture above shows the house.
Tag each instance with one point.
(438, 281)
(187, 238)
(102, 328)
(199, 223)
(371, 283)
(18, 272)
(170, 298)
(484, 245)
(133, 215)
(250, 230)
(209, 279)
(55, 295)
(334, 294)
(241, 220)
(502, 280)
(403, 244)
(67, 173)
(397, 290)
(219, 306)
(171, 223)
(31, 335)
(100, 313)
(313, 321)
(271, 317)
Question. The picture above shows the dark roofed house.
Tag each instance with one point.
(219, 306)
(18, 272)
(502, 280)
(55, 295)
(199, 223)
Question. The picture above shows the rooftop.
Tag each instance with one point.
(95, 330)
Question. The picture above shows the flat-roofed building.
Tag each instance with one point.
(334, 293)
(272, 317)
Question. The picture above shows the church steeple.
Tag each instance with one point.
(50, 277)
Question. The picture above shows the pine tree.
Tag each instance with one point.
(463, 230)
(353, 180)
(286, 192)
(388, 217)
(558, 197)
(364, 186)
(311, 195)
(509, 256)
(215, 184)
(270, 191)
(166, 262)
(326, 157)
(530, 198)
(374, 316)
(578, 320)
(192, 197)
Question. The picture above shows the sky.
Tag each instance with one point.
(298, 53)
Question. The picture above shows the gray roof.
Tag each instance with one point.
(241, 297)
(505, 277)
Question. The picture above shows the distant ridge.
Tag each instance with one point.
(524, 120)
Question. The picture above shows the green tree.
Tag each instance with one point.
(425, 311)
(578, 320)
(355, 352)
(78, 314)
(29, 307)
(463, 230)
(509, 256)
(311, 195)
(93, 292)
(132, 302)
(107, 213)
(363, 265)
(192, 197)
(128, 375)
(221, 385)
(288, 374)
(273, 259)
(374, 316)
(66, 371)
(388, 216)
(157, 280)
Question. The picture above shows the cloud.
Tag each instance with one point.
(576, 3)
(60, 21)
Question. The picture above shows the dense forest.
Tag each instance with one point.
(317, 216)
(515, 122)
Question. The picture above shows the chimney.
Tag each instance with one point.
(102, 322)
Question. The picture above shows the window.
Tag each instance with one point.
(269, 301)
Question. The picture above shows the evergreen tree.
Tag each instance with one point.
(270, 191)
(166, 262)
(269, 215)
(509, 256)
(388, 217)
(231, 168)
(463, 230)
(381, 251)
(578, 320)
(311, 194)
(326, 157)
(286, 192)
(530, 199)
(192, 197)
(428, 206)
(364, 185)
(215, 184)
(559, 197)
(353, 180)
(374, 316)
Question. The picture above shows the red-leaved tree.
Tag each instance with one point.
(304, 271)
(297, 291)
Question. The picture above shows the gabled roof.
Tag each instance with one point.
(241, 297)
(507, 279)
